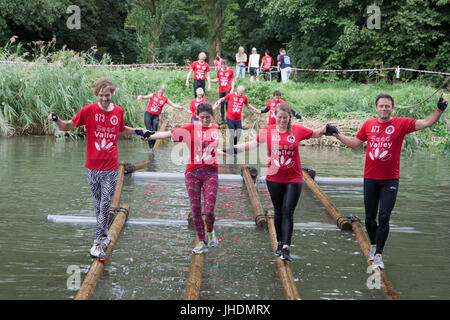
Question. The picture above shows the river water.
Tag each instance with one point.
(41, 176)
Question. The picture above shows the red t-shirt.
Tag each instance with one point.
(272, 106)
(218, 63)
(200, 70)
(235, 104)
(156, 104)
(225, 79)
(284, 160)
(384, 144)
(266, 63)
(102, 128)
(194, 105)
(202, 143)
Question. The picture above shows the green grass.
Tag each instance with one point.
(29, 92)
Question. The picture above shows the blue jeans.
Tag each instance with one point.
(240, 70)
(285, 73)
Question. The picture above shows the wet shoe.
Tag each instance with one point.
(105, 242)
(212, 240)
(285, 255)
(98, 253)
(278, 251)
(377, 262)
(372, 252)
(200, 248)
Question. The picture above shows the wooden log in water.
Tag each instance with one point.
(95, 272)
(284, 269)
(90, 282)
(386, 284)
(195, 276)
(258, 210)
(130, 168)
(342, 222)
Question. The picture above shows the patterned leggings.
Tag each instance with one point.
(206, 178)
(102, 185)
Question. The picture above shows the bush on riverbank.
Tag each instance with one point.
(30, 91)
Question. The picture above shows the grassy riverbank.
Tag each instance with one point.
(29, 92)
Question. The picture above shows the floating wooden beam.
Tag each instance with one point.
(342, 222)
(90, 281)
(195, 276)
(264, 221)
(130, 168)
(249, 175)
(386, 284)
(287, 280)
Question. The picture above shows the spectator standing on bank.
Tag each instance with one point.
(266, 65)
(253, 65)
(284, 66)
(241, 61)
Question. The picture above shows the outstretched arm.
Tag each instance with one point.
(246, 146)
(319, 133)
(63, 125)
(159, 135)
(434, 117)
(253, 108)
(172, 104)
(351, 142)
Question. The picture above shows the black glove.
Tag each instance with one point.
(441, 105)
(331, 130)
(145, 134)
(299, 117)
(54, 116)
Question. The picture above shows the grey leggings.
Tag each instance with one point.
(102, 185)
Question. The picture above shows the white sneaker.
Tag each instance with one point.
(377, 262)
(372, 250)
(105, 242)
(97, 252)
(200, 248)
(212, 240)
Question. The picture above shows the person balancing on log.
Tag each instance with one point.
(155, 108)
(104, 121)
(284, 171)
(202, 139)
(384, 136)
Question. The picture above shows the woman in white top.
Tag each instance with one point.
(253, 65)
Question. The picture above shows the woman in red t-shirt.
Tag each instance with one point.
(202, 139)
(284, 170)
(104, 122)
(154, 109)
(194, 104)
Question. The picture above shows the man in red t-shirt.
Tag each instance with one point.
(384, 136)
(225, 78)
(104, 121)
(236, 101)
(201, 72)
(194, 104)
(266, 65)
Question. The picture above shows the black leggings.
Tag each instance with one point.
(235, 129)
(199, 84)
(224, 104)
(284, 198)
(151, 123)
(384, 193)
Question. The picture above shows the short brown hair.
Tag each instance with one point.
(102, 83)
(384, 96)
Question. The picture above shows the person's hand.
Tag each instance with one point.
(187, 83)
(442, 103)
(330, 130)
(53, 117)
(144, 134)
(209, 87)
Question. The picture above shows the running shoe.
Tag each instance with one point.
(200, 247)
(377, 262)
(372, 250)
(98, 253)
(212, 240)
(105, 242)
(285, 255)
(279, 247)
